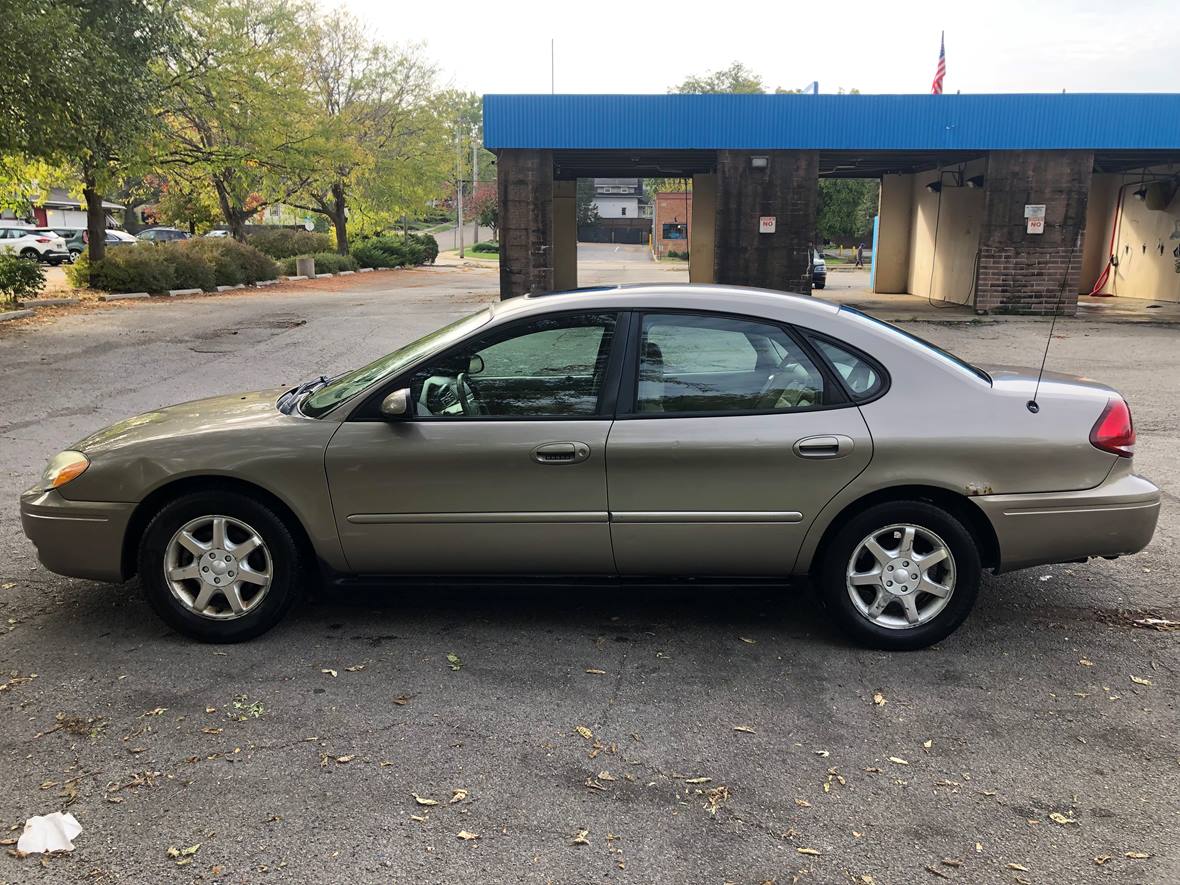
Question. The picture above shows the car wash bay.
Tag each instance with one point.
(1004, 203)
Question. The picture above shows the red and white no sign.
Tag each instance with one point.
(766, 224)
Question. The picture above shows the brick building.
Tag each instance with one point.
(1007, 203)
(671, 223)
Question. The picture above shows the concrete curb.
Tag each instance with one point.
(15, 315)
(262, 283)
(186, 291)
(225, 288)
(365, 270)
(48, 302)
(122, 296)
(321, 276)
(294, 279)
(345, 273)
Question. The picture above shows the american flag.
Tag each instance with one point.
(940, 71)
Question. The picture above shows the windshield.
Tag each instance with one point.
(349, 384)
(947, 356)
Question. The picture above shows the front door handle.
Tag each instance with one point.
(561, 453)
(824, 446)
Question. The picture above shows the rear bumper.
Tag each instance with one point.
(1113, 519)
(80, 539)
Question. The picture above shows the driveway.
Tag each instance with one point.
(581, 734)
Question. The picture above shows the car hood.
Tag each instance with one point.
(217, 413)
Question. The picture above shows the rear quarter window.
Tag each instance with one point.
(862, 375)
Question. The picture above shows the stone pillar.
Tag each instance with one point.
(1021, 272)
(785, 189)
(565, 235)
(524, 180)
(701, 231)
(891, 252)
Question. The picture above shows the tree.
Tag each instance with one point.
(81, 105)
(737, 78)
(845, 209)
(379, 136)
(236, 110)
(484, 206)
(585, 209)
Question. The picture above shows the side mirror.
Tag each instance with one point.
(475, 364)
(397, 405)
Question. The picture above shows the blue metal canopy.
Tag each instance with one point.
(1092, 121)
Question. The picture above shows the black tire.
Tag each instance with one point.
(818, 285)
(286, 564)
(833, 590)
(31, 255)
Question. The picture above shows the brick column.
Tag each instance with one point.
(524, 181)
(785, 190)
(1021, 272)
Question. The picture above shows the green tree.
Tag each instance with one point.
(585, 209)
(237, 113)
(845, 209)
(736, 78)
(81, 104)
(380, 140)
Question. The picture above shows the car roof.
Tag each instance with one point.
(671, 296)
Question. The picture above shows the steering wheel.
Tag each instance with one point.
(467, 396)
(790, 375)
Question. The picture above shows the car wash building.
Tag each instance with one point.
(1003, 203)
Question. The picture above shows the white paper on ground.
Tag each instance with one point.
(49, 832)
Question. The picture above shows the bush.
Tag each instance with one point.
(19, 277)
(325, 262)
(282, 242)
(233, 262)
(190, 269)
(427, 248)
(391, 251)
(139, 268)
(486, 247)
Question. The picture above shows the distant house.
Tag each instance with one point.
(624, 213)
(59, 209)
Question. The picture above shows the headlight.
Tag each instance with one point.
(64, 467)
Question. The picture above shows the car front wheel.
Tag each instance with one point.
(901, 575)
(219, 567)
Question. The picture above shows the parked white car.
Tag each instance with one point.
(36, 245)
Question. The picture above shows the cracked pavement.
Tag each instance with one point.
(728, 735)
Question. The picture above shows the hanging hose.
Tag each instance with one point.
(1111, 257)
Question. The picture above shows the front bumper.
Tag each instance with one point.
(55, 255)
(1113, 519)
(80, 539)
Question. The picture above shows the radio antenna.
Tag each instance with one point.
(1032, 404)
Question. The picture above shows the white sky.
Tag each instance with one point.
(882, 46)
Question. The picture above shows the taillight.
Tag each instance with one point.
(1113, 431)
(44, 240)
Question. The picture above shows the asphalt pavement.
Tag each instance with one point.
(578, 734)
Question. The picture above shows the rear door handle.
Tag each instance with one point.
(824, 446)
(561, 453)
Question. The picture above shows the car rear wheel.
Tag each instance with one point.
(219, 567)
(30, 255)
(901, 575)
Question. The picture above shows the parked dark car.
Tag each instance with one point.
(819, 270)
(164, 234)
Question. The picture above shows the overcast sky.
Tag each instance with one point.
(883, 46)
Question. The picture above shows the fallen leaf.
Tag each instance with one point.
(595, 671)
(1058, 817)
(1086, 663)
(879, 699)
(210, 709)
(810, 851)
(355, 668)
(344, 760)
(1139, 680)
(401, 700)
(453, 660)
(1137, 855)
(897, 760)
(329, 671)
(584, 732)
(748, 641)
(422, 801)
(824, 753)
(457, 796)
(927, 744)
(582, 837)
(802, 803)
(212, 730)
(697, 780)
(1101, 859)
(158, 710)
(952, 862)
(1016, 866)
(744, 728)
(606, 776)
(466, 836)
(935, 871)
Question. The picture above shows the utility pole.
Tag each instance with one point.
(459, 187)
(475, 178)
(552, 67)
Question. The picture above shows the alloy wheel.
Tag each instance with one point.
(901, 576)
(218, 567)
